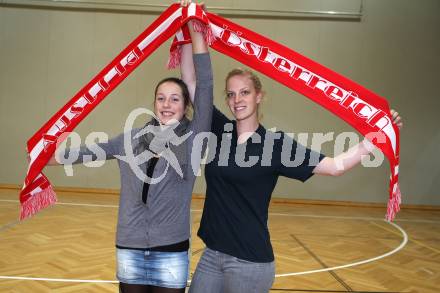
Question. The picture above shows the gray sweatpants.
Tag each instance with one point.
(217, 272)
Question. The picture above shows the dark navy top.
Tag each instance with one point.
(240, 184)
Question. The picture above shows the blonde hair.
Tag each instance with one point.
(255, 81)
(245, 72)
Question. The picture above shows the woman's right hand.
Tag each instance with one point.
(199, 45)
(185, 3)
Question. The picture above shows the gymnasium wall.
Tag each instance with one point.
(48, 53)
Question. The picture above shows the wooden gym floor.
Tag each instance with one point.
(70, 247)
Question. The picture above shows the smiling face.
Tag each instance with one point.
(242, 97)
(169, 104)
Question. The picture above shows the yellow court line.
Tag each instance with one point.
(410, 239)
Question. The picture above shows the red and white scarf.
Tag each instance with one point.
(361, 108)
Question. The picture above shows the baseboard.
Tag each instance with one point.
(275, 200)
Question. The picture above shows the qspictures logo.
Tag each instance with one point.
(160, 141)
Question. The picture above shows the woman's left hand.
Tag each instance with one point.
(396, 118)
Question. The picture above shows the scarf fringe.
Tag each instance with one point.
(175, 57)
(394, 204)
(37, 202)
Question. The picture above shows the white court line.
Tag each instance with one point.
(273, 214)
(8, 200)
(87, 205)
(402, 244)
(58, 280)
(355, 218)
(71, 204)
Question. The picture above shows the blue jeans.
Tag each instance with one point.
(217, 272)
(144, 267)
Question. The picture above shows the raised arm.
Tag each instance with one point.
(198, 46)
(347, 160)
(187, 71)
